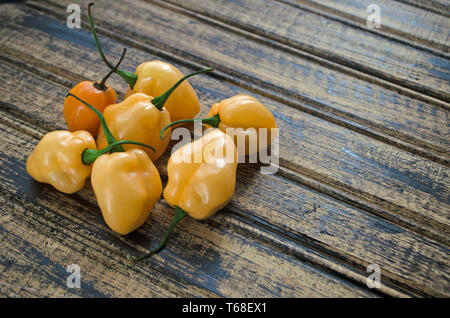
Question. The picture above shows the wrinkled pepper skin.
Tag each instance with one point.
(78, 116)
(202, 188)
(57, 160)
(137, 119)
(127, 185)
(244, 111)
(156, 77)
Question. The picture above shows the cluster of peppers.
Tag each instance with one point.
(132, 134)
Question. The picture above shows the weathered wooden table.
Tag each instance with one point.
(364, 149)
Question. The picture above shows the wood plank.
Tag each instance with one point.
(370, 53)
(441, 7)
(35, 261)
(312, 87)
(334, 237)
(407, 21)
(44, 230)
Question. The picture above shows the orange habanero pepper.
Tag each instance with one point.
(77, 115)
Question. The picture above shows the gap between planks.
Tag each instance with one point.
(432, 6)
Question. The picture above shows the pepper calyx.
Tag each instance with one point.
(159, 101)
(213, 121)
(128, 77)
(90, 155)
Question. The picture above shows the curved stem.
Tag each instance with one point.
(90, 155)
(109, 136)
(179, 215)
(212, 121)
(128, 77)
(101, 85)
(159, 101)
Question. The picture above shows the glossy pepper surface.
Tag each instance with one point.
(239, 113)
(63, 158)
(141, 117)
(57, 160)
(202, 179)
(136, 118)
(156, 77)
(202, 175)
(80, 117)
(127, 185)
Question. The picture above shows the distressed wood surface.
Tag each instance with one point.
(437, 6)
(399, 19)
(349, 192)
(310, 85)
(310, 32)
(354, 158)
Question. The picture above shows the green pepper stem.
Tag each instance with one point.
(128, 77)
(179, 215)
(90, 155)
(109, 136)
(212, 121)
(101, 85)
(159, 101)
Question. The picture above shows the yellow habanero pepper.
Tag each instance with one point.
(154, 78)
(236, 115)
(202, 178)
(141, 117)
(57, 160)
(126, 183)
(63, 158)
(136, 118)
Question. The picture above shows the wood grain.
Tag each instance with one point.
(327, 152)
(258, 208)
(341, 200)
(212, 256)
(404, 20)
(437, 6)
(333, 40)
(329, 92)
